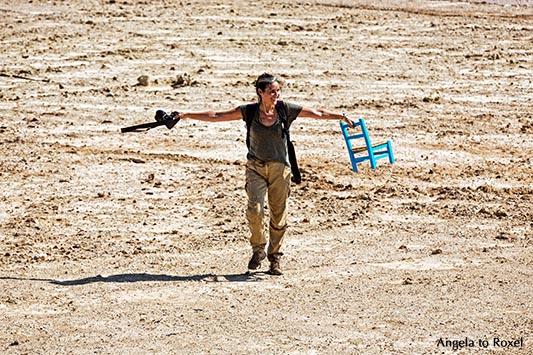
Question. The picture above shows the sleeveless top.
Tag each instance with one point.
(269, 143)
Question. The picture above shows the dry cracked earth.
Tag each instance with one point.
(136, 243)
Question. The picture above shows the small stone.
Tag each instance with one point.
(407, 281)
(143, 80)
(220, 278)
(500, 214)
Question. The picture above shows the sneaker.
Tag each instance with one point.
(275, 268)
(255, 261)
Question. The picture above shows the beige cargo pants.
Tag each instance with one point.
(272, 179)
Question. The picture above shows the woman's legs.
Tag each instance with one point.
(278, 193)
(261, 178)
(256, 188)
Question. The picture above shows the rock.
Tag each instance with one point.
(407, 281)
(143, 80)
(182, 80)
(220, 278)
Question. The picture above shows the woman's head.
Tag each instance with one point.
(267, 88)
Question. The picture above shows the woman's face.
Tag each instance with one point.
(271, 94)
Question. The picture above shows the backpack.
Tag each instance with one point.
(282, 113)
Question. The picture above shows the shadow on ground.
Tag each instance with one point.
(144, 277)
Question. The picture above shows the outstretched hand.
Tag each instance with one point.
(345, 119)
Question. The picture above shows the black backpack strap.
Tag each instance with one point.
(282, 113)
(296, 176)
(249, 112)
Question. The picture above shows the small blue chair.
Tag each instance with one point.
(368, 151)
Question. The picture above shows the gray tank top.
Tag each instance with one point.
(269, 143)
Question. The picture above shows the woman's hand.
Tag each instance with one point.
(345, 119)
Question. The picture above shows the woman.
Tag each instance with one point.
(268, 168)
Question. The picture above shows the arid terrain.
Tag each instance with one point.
(137, 243)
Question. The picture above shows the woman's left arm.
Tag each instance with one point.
(324, 114)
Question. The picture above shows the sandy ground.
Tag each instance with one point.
(136, 243)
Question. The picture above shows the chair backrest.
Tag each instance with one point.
(359, 131)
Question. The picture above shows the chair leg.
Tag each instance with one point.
(391, 154)
(372, 159)
(354, 164)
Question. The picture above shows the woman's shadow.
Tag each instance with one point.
(144, 277)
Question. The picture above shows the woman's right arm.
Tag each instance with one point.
(213, 116)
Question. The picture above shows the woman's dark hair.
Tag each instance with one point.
(263, 81)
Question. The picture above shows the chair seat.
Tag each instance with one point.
(363, 148)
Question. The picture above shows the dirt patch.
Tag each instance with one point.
(137, 244)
